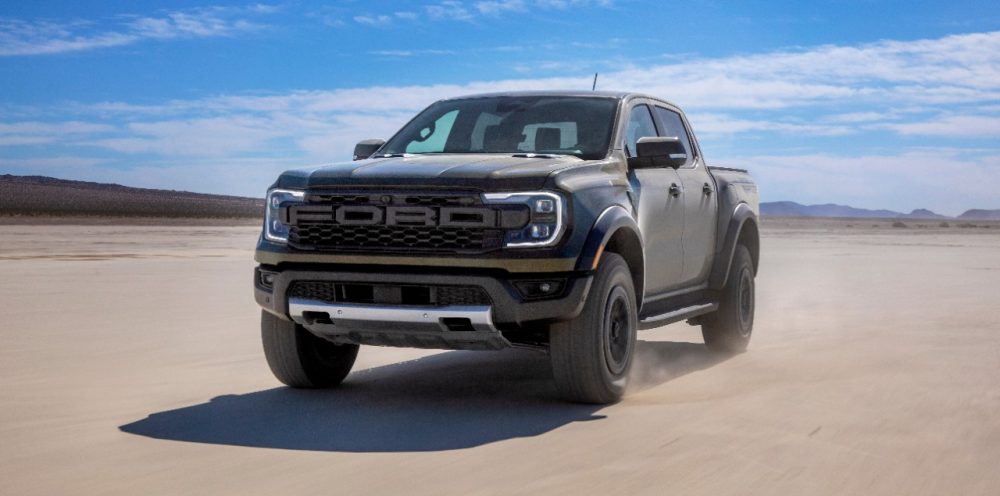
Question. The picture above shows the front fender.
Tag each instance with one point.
(610, 221)
(615, 230)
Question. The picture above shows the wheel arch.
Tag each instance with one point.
(742, 229)
(615, 231)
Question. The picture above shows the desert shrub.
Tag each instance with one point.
(944, 224)
(898, 223)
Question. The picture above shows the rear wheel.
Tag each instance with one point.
(300, 359)
(592, 354)
(728, 330)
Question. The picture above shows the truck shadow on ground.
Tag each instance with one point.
(448, 401)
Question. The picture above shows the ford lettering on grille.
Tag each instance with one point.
(372, 215)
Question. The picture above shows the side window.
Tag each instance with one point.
(674, 126)
(433, 138)
(640, 124)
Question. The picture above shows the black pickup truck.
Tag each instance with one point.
(556, 221)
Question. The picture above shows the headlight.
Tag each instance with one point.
(547, 220)
(274, 229)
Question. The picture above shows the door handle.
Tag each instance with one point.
(707, 189)
(675, 190)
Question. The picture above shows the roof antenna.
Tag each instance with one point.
(593, 87)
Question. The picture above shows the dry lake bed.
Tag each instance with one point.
(130, 363)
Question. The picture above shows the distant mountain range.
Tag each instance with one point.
(792, 209)
(47, 196)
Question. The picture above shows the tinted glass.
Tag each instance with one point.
(674, 126)
(432, 138)
(640, 125)
(557, 125)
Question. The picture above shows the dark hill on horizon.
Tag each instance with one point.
(47, 196)
(980, 214)
(793, 209)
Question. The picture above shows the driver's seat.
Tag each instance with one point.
(548, 139)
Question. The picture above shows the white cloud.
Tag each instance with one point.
(495, 7)
(20, 37)
(262, 8)
(210, 137)
(54, 128)
(705, 124)
(853, 117)
(411, 53)
(785, 100)
(773, 81)
(466, 11)
(724, 97)
(449, 10)
(373, 20)
(563, 4)
(959, 69)
(976, 126)
(22, 140)
(36, 133)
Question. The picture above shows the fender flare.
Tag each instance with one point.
(610, 222)
(743, 222)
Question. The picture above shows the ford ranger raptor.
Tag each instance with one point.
(557, 221)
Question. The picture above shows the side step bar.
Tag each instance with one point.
(678, 315)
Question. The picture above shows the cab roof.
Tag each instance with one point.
(578, 94)
(618, 95)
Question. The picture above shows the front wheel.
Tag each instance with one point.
(592, 354)
(301, 359)
(728, 330)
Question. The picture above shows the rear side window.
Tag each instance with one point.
(640, 125)
(674, 126)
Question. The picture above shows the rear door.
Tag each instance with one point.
(661, 215)
(700, 206)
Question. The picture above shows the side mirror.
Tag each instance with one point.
(653, 151)
(365, 148)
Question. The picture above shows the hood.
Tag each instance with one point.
(469, 171)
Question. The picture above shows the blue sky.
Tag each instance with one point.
(874, 104)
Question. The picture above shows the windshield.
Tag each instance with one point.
(578, 126)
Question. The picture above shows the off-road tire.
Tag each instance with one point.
(299, 358)
(728, 329)
(592, 354)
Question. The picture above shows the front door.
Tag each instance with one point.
(699, 202)
(660, 204)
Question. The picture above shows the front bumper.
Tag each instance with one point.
(475, 326)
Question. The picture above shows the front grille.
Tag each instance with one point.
(399, 222)
(388, 294)
(329, 236)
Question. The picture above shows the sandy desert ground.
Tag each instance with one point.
(130, 363)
